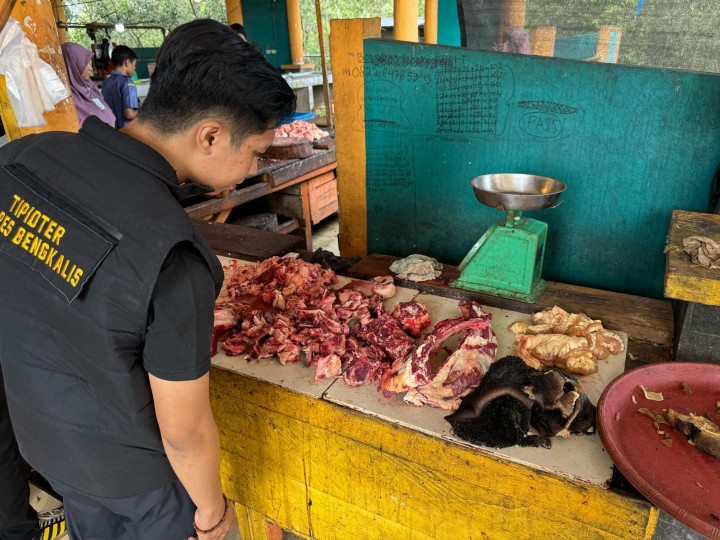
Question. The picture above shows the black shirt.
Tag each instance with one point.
(177, 343)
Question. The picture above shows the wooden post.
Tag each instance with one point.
(38, 23)
(233, 8)
(6, 6)
(59, 12)
(346, 53)
(542, 41)
(431, 21)
(323, 65)
(297, 54)
(406, 20)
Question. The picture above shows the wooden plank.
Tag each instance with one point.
(233, 199)
(346, 48)
(683, 279)
(643, 319)
(246, 243)
(306, 221)
(325, 471)
(323, 197)
(320, 161)
(288, 226)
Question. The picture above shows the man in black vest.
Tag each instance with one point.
(107, 291)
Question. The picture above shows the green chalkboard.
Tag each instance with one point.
(632, 144)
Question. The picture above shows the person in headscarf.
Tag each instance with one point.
(87, 97)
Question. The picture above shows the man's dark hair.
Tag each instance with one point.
(122, 53)
(239, 30)
(205, 70)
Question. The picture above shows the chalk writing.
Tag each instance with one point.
(392, 74)
(389, 168)
(543, 125)
(417, 62)
(467, 99)
(384, 107)
(547, 106)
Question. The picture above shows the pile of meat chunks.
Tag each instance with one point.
(290, 309)
(293, 310)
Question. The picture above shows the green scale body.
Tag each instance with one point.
(507, 261)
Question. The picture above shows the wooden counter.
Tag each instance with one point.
(296, 455)
(312, 177)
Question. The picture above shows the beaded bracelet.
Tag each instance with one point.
(222, 520)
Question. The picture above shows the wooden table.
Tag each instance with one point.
(694, 289)
(246, 243)
(313, 178)
(295, 457)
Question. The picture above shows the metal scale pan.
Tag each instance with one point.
(517, 192)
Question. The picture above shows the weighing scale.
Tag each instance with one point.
(507, 261)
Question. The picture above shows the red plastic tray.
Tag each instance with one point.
(681, 480)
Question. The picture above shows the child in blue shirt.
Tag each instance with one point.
(119, 90)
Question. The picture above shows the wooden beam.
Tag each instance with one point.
(431, 21)
(297, 54)
(405, 27)
(61, 20)
(346, 53)
(233, 8)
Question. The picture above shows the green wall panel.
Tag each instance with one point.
(266, 24)
(448, 23)
(632, 144)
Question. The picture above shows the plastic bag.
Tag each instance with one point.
(33, 86)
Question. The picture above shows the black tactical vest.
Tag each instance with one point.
(84, 232)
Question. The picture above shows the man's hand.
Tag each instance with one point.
(204, 523)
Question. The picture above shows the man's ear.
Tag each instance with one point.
(210, 134)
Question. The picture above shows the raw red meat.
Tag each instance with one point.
(286, 308)
(415, 370)
(386, 333)
(300, 128)
(412, 316)
(460, 373)
(225, 319)
(364, 365)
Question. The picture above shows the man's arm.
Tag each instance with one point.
(177, 358)
(131, 103)
(192, 444)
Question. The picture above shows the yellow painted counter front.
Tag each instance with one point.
(325, 471)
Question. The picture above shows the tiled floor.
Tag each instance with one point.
(325, 235)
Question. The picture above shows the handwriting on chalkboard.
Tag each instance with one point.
(546, 119)
(546, 106)
(468, 98)
(389, 168)
(384, 108)
(444, 63)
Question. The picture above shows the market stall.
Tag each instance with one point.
(327, 460)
